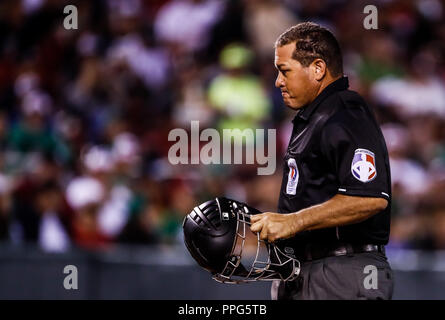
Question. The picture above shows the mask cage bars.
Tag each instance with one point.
(259, 270)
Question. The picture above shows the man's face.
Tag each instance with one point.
(297, 83)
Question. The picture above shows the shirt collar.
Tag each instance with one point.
(338, 85)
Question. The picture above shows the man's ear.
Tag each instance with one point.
(319, 69)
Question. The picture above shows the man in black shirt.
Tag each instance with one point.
(334, 205)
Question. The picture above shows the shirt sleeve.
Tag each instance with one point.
(355, 152)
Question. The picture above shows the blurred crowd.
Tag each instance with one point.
(85, 113)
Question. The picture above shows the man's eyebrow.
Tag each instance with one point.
(280, 66)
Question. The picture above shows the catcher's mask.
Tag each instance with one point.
(217, 234)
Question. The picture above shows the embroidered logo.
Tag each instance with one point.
(363, 166)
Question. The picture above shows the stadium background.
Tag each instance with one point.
(85, 115)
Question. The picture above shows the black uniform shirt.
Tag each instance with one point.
(337, 147)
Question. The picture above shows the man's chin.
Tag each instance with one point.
(291, 105)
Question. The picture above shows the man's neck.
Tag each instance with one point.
(326, 82)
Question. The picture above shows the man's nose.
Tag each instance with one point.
(279, 81)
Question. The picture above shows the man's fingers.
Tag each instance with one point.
(256, 227)
(256, 217)
(263, 234)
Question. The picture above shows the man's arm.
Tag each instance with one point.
(337, 211)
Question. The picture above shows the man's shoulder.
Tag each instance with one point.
(350, 106)
(351, 113)
(340, 100)
(349, 99)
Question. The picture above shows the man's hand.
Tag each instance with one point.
(273, 226)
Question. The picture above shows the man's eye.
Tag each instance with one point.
(284, 72)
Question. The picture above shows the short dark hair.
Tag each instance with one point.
(313, 41)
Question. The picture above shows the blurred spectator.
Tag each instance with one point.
(150, 64)
(101, 204)
(85, 195)
(32, 134)
(404, 170)
(265, 21)
(144, 214)
(185, 25)
(192, 102)
(422, 92)
(53, 228)
(379, 59)
(236, 94)
(39, 212)
(5, 206)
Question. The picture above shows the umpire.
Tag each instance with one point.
(334, 204)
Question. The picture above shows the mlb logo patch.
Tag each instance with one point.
(363, 165)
